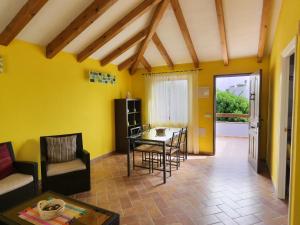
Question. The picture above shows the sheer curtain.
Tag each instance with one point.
(172, 102)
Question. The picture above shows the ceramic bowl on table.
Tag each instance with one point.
(50, 209)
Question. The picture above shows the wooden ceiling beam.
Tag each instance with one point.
(222, 30)
(127, 63)
(124, 47)
(146, 64)
(26, 13)
(185, 32)
(116, 29)
(264, 26)
(158, 14)
(78, 25)
(159, 45)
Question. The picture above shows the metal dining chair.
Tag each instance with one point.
(143, 148)
(172, 151)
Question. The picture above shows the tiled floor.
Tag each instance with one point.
(205, 190)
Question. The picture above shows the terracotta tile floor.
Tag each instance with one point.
(205, 190)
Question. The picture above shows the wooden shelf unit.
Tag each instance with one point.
(128, 114)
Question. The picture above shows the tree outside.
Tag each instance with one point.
(230, 103)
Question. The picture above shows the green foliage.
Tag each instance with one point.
(230, 103)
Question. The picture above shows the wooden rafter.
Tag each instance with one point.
(222, 30)
(185, 32)
(158, 14)
(146, 64)
(264, 26)
(159, 45)
(79, 24)
(121, 49)
(127, 63)
(116, 29)
(26, 13)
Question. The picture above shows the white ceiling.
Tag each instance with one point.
(242, 21)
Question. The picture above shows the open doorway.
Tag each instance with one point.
(232, 104)
(285, 134)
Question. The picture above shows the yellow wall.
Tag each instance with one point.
(206, 79)
(40, 96)
(287, 29)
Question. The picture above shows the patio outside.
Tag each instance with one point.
(232, 108)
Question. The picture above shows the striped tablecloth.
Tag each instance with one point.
(70, 213)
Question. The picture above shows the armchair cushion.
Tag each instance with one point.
(14, 181)
(61, 149)
(65, 167)
(6, 161)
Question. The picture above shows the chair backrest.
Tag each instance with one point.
(175, 141)
(136, 130)
(79, 144)
(183, 135)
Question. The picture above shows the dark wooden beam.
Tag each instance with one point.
(264, 26)
(158, 14)
(78, 25)
(159, 45)
(222, 30)
(146, 64)
(185, 32)
(124, 47)
(27, 12)
(116, 29)
(127, 63)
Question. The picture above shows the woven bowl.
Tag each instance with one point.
(161, 132)
(50, 209)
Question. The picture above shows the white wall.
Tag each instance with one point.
(232, 129)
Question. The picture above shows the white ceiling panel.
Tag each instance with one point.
(242, 19)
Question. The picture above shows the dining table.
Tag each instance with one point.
(150, 137)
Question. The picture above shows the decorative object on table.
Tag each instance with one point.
(50, 209)
(100, 77)
(161, 132)
(63, 215)
(1, 65)
(203, 92)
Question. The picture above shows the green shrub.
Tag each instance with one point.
(230, 103)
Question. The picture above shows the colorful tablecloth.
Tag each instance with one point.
(70, 213)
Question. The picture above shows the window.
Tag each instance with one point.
(169, 102)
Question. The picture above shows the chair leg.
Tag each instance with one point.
(170, 164)
(177, 159)
(133, 164)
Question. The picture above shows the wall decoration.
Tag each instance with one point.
(1, 65)
(100, 77)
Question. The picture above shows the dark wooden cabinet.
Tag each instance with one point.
(128, 114)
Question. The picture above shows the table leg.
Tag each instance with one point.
(128, 159)
(164, 163)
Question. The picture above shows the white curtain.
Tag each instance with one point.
(172, 102)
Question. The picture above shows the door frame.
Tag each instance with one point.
(215, 103)
(283, 114)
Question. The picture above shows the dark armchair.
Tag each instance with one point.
(19, 178)
(66, 177)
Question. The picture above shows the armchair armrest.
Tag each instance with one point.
(43, 166)
(30, 168)
(85, 157)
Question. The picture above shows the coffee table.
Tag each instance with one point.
(94, 216)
